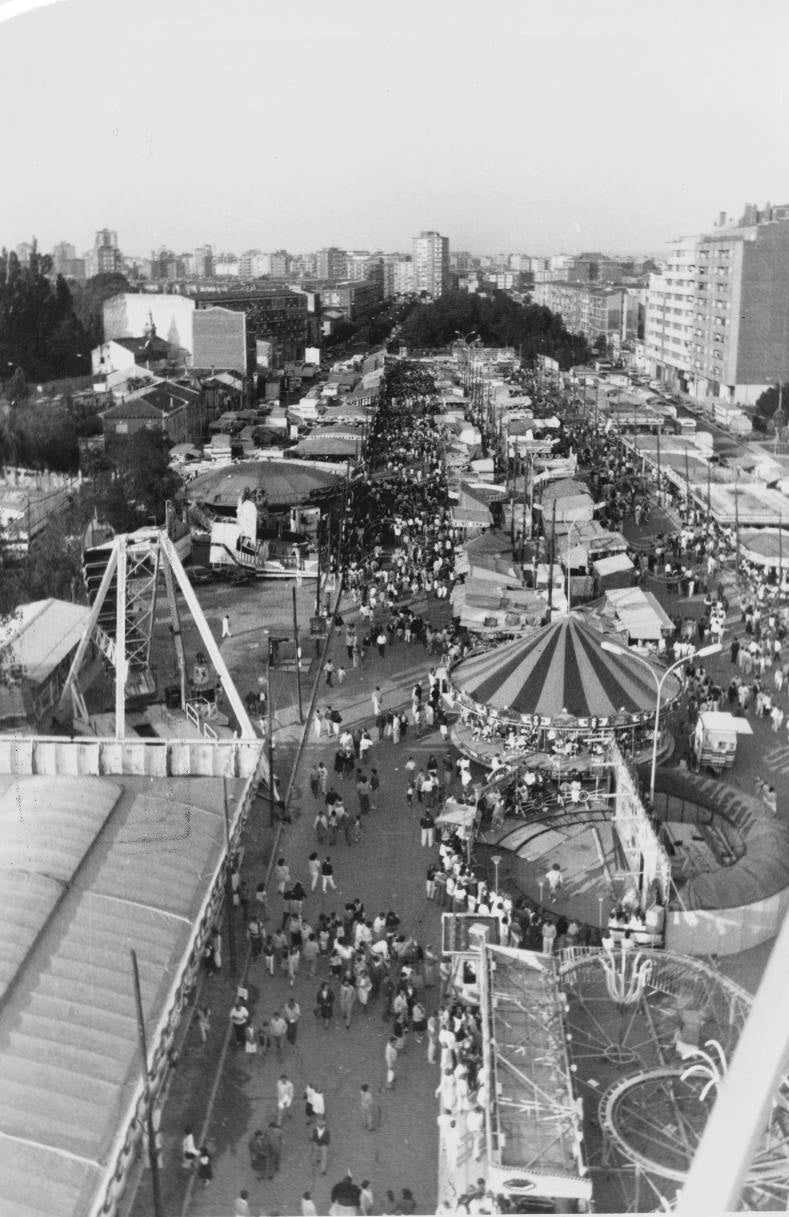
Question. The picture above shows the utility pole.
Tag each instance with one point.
(231, 929)
(550, 564)
(153, 1158)
(298, 654)
(270, 736)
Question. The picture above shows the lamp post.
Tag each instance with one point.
(573, 524)
(496, 860)
(615, 649)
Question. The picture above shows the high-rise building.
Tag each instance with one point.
(203, 263)
(431, 264)
(104, 258)
(331, 263)
(280, 264)
(717, 320)
(24, 252)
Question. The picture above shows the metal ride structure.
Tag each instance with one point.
(651, 1035)
(121, 623)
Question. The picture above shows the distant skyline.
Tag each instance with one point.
(515, 126)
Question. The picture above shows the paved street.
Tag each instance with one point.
(386, 869)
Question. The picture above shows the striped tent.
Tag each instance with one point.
(558, 674)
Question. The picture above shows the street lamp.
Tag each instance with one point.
(573, 523)
(615, 649)
(496, 860)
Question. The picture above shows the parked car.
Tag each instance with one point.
(200, 574)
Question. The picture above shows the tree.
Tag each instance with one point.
(144, 479)
(767, 403)
(89, 304)
(40, 335)
(496, 320)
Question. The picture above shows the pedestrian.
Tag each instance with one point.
(225, 626)
(274, 1137)
(366, 1201)
(315, 785)
(380, 642)
(203, 1022)
(205, 1166)
(294, 959)
(315, 1102)
(255, 936)
(367, 1106)
(216, 943)
(189, 1151)
(390, 1060)
(241, 1204)
(278, 1030)
(324, 1004)
(347, 999)
(291, 1014)
(259, 1153)
(328, 671)
(327, 875)
(341, 675)
(555, 880)
(239, 1017)
(308, 1208)
(250, 1040)
(320, 1139)
(282, 873)
(284, 1098)
(427, 825)
(548, 936)
(269, 952)
(314, 869)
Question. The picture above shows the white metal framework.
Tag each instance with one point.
(134, 565)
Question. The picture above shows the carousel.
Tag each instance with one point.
(557, 692)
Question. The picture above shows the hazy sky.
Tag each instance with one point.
(531, 125)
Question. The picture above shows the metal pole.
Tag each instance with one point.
(270, 738)
(709, 480)
(153, 1160)
(745, 1099)
(737, 528)
(231, 929)
(525, 493)
(318, 575)
(298, 655)
(550, 565)
(658, 464)
(687, 476)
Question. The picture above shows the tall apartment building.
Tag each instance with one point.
(431, 264)
(331, 263)
(280, 264)
(65, 261)
(273, 314)
(356, 261)
(717, 321)
(104, 258)
(203, 262)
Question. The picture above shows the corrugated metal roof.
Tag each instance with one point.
(68, 1043)
(42, 633)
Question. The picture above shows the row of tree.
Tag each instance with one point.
(47, 326)
(496, 320)
(127, 493)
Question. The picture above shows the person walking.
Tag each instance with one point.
(255, 936)
(347, 1000)
(278, 1030)
(320, 1139)
(189, 1151)
(427, 825)
(327, 875)
(292, 1014)
(390, 1060)
(239, 1017)
(284, 1098)
(315, 786)
(324, 1004)
(314, 1104)
(314, 869)
(225, 626)
(203, 1022)
(367, 1107)
(328, 671)
(274, 1138)
(205, 1166)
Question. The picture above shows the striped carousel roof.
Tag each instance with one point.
(561, 669)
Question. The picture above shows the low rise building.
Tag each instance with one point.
(37, 646)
